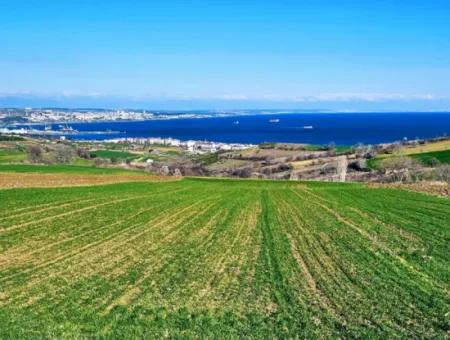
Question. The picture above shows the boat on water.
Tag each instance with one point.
(236, 122)
(276, 120)
(67, 129)
(308, 127)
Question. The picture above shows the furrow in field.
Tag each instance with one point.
(343, 290)
(411, 267)
(16, 256)
(72, 212)
(380, 270)
(198, 260)
(183, 267)
(56, 205)
(41, 208)
(200, 252)
(326, 281)
(235, 252)
(108, 242)
(156, 261)
(64, 269)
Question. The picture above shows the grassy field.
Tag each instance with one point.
(114, 154)
(12, 156)
(428, 147)
(424, 153)
(223, 259)
(428, 157)
(64, 168)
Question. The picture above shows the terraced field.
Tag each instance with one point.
(223, 259)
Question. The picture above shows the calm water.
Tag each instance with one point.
(340, 128)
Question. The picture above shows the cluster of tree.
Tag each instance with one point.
(59, 153)
(408, 170)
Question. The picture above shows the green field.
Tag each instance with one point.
(427, 157)
(63, 168)
(114, 154)
(7, 156)
(223, 259)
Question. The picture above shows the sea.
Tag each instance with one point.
(311, 128)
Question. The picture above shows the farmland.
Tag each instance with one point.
(195, 258)
(429, 157)
(114, 154)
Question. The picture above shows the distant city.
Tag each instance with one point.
(63, 115)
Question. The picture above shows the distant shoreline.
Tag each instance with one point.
(324, 128)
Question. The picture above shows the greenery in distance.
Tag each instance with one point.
(65, 168)
(428, 158)
(223, 259)
(114, 154)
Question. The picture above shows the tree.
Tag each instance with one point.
(63, 153)
(83, 153)
(443, 173)
(35, 154)
(331, 148)
(401, 168)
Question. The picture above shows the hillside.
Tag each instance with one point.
(223, 258)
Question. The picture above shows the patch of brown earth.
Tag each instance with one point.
(432, 188)
(29, 180)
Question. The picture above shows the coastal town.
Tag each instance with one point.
(66, 115)
(192, 146)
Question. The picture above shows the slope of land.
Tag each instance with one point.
(222, 258)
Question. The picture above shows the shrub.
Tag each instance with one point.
(83, 153)
(443, 173)
(242, 173)
(399, 163)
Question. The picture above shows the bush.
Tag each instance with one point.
(399, 163)
(433, 162)
(443, 173)
(284, 167)
(242, 173)
(83, 153)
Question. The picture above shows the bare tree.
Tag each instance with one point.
(63, 153)
(443, 173)
(164, 170)
(331, 149)
(35, 154)
(83, 153)
(400, 168)
(177, 172)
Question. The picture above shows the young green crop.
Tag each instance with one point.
(223, 259)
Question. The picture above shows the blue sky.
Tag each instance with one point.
(337, 54)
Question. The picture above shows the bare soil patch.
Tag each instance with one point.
(29, 180)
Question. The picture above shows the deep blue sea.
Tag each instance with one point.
(340, 128)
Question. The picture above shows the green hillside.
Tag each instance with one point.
(427, 158)
(223, 259)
